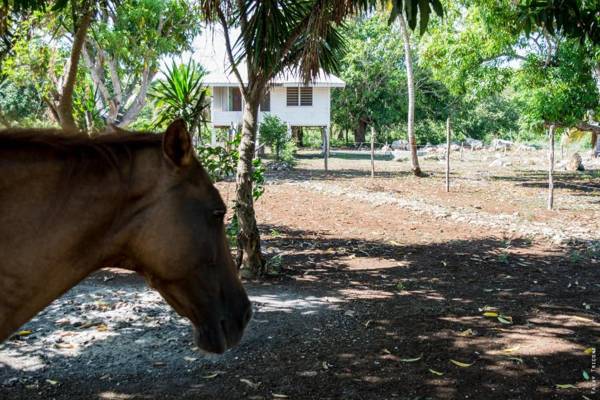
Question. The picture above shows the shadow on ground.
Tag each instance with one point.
(350, 319)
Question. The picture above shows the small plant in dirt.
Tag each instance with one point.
(274, 264)
(275, 233)
(575, 257)
(503, 257)
(274, 133)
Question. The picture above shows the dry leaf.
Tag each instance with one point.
(589, 350)
(408, 360)
(102, 328)
(24, 333)
(492, 314)
(505, 319)
(438, 373)
(279, 396)
(250, 383)
(511, 349)
(212, 375)
(565, 386)
(468, 332)
(53, 383)
(461, 364)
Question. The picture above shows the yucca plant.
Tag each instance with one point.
(182, 94)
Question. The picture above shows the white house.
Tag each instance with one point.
(288, 98)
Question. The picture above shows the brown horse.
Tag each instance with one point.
(69, 206)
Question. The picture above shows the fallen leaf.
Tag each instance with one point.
(589, 350)
(511, 349)
(490, 314)
(279, 396)
(408, 360)
(468, 332)
(386, 351)
(53, 383)
(212, 375)
(24, 333)
(102, 328)
(505, 319)
(250, 383)
(461, 364)
(367, 323)
(565, 386)
(438, 373)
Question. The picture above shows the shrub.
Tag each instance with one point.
(288, 154)
(273, 132)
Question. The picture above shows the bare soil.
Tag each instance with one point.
(370, 297)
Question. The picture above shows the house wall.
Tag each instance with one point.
(319, 114)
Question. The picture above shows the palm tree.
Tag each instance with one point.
(278, 35)
(410, 83)
(182, 94)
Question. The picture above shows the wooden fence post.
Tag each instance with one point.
(372, 152)
(551, 169)
(325, 148)
(448, 130)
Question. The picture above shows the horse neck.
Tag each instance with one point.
(51, 240)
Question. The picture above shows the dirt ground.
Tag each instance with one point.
(385, 288)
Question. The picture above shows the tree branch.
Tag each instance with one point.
(65, 106)
(230, 52)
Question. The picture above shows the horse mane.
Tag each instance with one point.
(27, 138)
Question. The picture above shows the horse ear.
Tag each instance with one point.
(177, 144)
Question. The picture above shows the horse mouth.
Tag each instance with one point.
(213, 339)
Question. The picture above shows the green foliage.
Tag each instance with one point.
(219, 162)
(181, 94)
(576, 19)
(559, 91)
(273, 132)
(288, 153)
(467, 51)
(373, 70)
(258, 178)
(486, 118)
(20, 103)
(376, 85)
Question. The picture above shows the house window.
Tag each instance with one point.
(306, 96)
(292, 96)
(265, 104)
(234, 99)
(302, 96)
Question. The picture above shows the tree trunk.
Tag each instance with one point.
(297, 135)
(372, 152)
(361, 130)
(551, 169)
(448, 132)
(250, 257)
(410, 80)
(65, 105)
